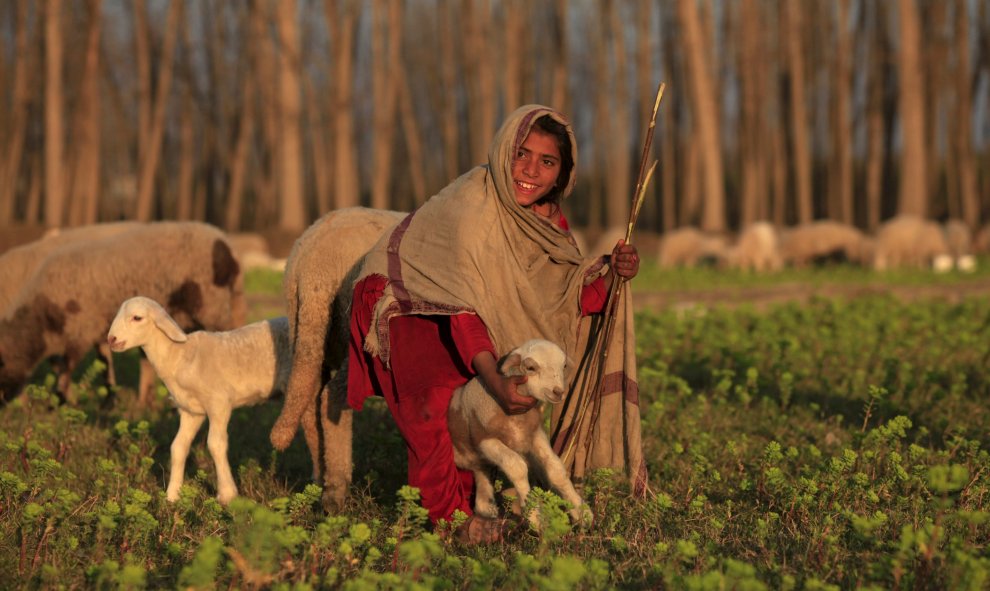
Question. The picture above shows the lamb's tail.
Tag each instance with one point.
(307, 364)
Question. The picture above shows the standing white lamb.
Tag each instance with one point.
(483, 435)
(208, 375)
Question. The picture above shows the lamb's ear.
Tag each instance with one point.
(167, 325)
(511, 365)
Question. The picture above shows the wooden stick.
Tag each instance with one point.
(603, 336)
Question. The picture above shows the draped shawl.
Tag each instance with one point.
(473, 249)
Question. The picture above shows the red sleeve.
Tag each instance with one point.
(470, 337)
(593, 297)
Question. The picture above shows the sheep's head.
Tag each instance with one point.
(135, 321)
(545, 366)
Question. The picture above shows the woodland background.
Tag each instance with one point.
(262, 115)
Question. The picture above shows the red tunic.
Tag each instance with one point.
(430, 358)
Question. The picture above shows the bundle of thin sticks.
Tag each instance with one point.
(588, 382)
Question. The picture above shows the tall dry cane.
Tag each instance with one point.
(586, 388)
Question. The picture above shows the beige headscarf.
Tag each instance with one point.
(472, 249)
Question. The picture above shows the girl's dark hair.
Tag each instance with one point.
(549, 125)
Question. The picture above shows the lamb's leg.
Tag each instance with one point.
(217, 443)
(484, 495)
(559, 480)
(107, 357)
(515, 469)
(337, 421)
(189, 424)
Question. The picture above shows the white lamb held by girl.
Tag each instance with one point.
(208, 374)
(483, 435)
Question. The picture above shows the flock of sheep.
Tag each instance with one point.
(900, 242)
(175, 289)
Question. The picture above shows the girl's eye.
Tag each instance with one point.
(548, 163)
(520, 155)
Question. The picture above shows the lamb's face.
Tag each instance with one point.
(133, 320)
(545, 366)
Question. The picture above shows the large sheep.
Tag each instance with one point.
(318, 295)
(208, 375)
(688, 246)
(825, 241)
(68, 304)
(483, 435)
(17, 265)
(756, 249)
(909, 241)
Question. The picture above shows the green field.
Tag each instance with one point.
(838, 443)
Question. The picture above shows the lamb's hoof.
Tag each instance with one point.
(486, 508)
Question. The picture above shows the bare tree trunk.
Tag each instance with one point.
(266, 69)
(934, 34)
(340, 16)
(242, 152)
(913, 198)
(292, 214)
(515, 46)
(618, 194)
(799, 117)
(54, 117)
(386, 44)
(962, 121)
(841, 125)
(875, 133)
(11, 166)
(414, 143)
(646, 86)
(85, 185)
(706, 118)
(480, 77)
(321, 152)
(149, 166)
(187, 159)
(449, 127)
(560, 92)
(142, 63)
(751, 137)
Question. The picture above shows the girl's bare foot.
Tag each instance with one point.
(481, 530)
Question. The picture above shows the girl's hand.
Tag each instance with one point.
(624, 261)
(501, 388)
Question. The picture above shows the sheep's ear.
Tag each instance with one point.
(167, 325)
(530, 366)
(511, 365)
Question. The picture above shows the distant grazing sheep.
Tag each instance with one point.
(251, 249)
(483, 435)
(959, 239)
(688, 246)
(208, 375)
(825, 241)
(318, 293)
(908, 241)
(756, 249)
(67, 305)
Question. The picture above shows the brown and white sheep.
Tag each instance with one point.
(318, 294)
(67, 305)
(208, 375)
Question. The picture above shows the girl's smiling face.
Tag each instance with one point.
(535, 167)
